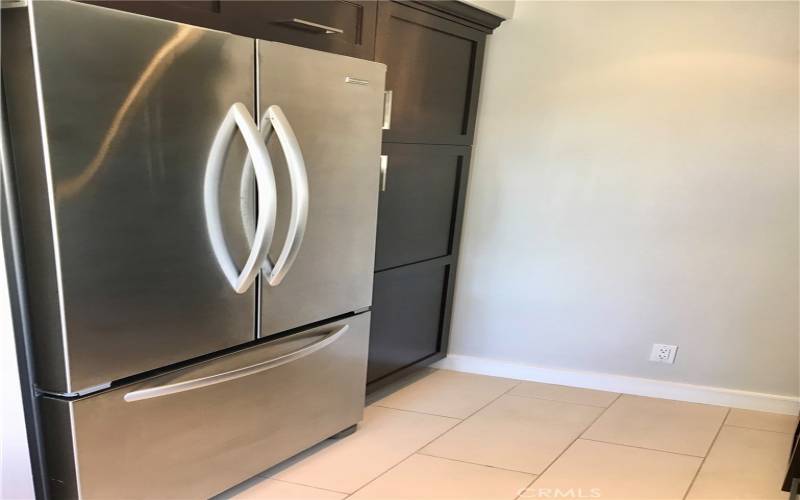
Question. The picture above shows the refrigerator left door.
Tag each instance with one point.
(112, 117)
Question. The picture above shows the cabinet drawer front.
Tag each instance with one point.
(434, 70)
(145, 441)
(338, 26)
(205, 13)
(418, 209)
(408, 316)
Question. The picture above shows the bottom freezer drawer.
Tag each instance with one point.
(197, 431)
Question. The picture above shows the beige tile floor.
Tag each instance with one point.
(451, 435)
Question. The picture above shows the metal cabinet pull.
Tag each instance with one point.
(239, 117)
(188, 385)
(384, 170)
(387, 110)
(311, 26)
(275, 119)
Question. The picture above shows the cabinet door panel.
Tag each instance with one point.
(434, 68)
(297, 23)
(204, 13)
(417, 212)
(307, 23)
(408, 307)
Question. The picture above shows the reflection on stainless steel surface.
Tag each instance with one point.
(141, 285)
(182, 40)
(337, 125)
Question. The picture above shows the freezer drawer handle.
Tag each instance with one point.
(275, 120)
(239, 117)
(188, 385)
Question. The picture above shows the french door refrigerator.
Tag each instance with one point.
(197, 212)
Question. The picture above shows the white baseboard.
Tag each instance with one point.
(620, 383)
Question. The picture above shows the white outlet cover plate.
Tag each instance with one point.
(663, 353)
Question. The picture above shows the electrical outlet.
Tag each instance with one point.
(663, 353)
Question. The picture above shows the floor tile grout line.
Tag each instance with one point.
(598, 416)
(418, 412)
(535, 476)
(525, 489)
(420, 452)
(708, 452)
(430, 441)
(559, 401)
(459, 420)
(568, 446)
(306, 485)
(641, 447)
(790, 433)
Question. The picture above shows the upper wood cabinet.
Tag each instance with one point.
(205, 13)
(338, 26)
(434, 67)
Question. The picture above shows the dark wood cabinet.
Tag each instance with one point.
(434, 53)
(420, 207)
(207, 14)
(409, 307)
(434, 66)
(419, 227)
(340, 26)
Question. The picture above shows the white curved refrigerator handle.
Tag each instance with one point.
(239, 117)
(275, 119)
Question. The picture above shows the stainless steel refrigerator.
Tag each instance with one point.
(197, 212)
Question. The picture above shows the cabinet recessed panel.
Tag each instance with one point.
(433, 70)
(407, 315)
(417, 208)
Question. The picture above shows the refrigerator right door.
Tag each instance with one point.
(322, 116)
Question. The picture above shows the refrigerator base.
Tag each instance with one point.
(343, 434)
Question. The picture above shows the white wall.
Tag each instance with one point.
(635, 180)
